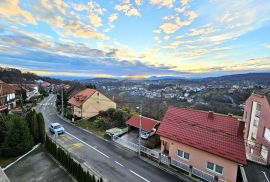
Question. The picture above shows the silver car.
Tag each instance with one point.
(56, 128)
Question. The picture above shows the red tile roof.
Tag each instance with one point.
(79, 98)
(147, 123)
(217, 134)
(6, 88)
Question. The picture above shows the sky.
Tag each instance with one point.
(135, 38)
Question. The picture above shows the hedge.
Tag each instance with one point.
(70, 164)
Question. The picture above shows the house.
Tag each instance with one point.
(147, 125)
(210, 145)
(89, 102)
(7, 97)
(257, 128)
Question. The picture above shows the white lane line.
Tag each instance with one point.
(139, 176)
(119, 163)
(89, 145)
(265, 176)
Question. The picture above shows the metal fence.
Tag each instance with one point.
(180, 165)
(164, 159)
(202, 175)
(125, 143)
(150, 152)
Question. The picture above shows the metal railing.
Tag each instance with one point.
(180, 165)
(150, 152)
(125, 143)
(203, 175)
(164, 159)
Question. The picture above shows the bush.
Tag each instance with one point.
(70, 164)
(153, 142)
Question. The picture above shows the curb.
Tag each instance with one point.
(21, 157)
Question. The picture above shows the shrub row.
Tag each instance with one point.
(74, 168)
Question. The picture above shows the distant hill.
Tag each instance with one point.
(15, 76)
(259, 78)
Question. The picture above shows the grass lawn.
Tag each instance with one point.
(5, 161)
(89, 126)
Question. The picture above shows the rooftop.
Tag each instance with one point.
(221, 135)
(79, 98)
(147, 123)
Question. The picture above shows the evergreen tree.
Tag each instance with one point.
(18, 140)
(41, 127)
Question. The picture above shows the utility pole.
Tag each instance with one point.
(62, 112)
(140, 130)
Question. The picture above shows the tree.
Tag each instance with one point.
(18, 139)
(3, 128)
(41, 127)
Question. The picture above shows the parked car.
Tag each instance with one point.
(145, 135)
(56, 128)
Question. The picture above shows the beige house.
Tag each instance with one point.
(89, 102)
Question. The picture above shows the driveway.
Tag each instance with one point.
(38, 166)
(133, 137)
(256, 172)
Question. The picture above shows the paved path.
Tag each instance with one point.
(105, 157)
(37, 166)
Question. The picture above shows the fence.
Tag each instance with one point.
(202, 175)
(150, 152)
(164, 159)
(180, 165)
(125, 143)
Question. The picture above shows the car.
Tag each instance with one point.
(145, 135)
(56, 128)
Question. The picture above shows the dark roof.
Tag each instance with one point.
(210, 132)
(147, 123)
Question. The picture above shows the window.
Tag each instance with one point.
(266, 134)
(183, 155)
(214, 167)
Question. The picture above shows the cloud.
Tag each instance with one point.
(267, 46)
(205, 30)
(138, 2)
(113, 17)
(95, 20)
(174, 23)
(57, 14)
(162, 3)
(12, 11)
(128, 9)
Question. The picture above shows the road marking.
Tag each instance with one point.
(265, 176)
(119, 164)
(139, 176)
(89, 145)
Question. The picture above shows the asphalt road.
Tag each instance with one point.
(256, 172)
(104, 157)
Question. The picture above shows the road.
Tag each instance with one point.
(104, 157)
(257, 172)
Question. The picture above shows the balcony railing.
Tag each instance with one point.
(180, 165)
(203, 175)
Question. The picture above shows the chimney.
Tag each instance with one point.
(241, 127)
(210, 115)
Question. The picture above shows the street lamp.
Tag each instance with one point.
(140, 129)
